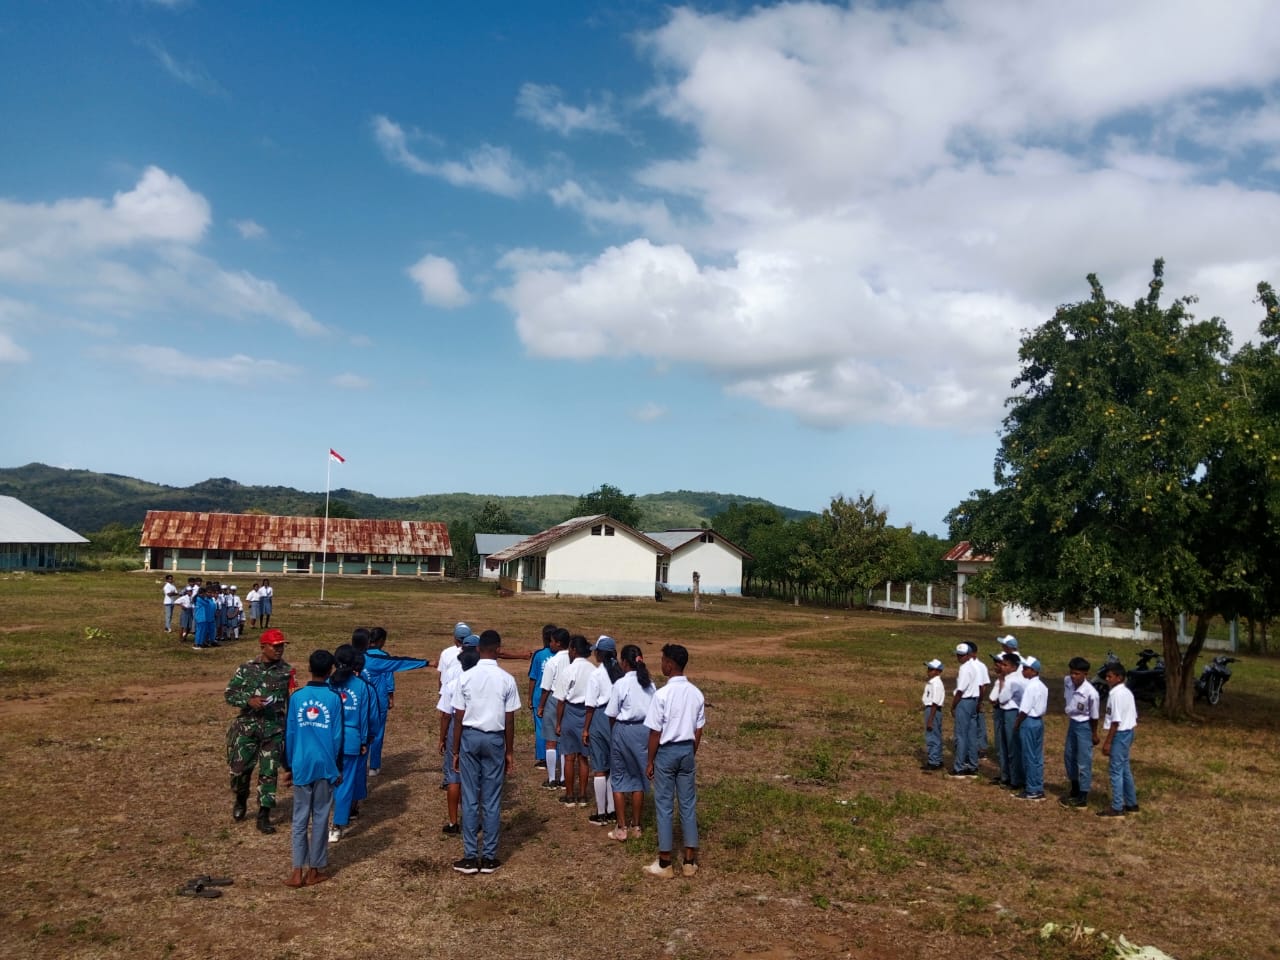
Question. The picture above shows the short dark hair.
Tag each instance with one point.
(547, 631)
(561, 636)
(321, 663)
(377, 636)
(1115, 668)
(468, 658)
(580, 645)
(676, 654)
(360, 638)
(1078, 663)
(490, 640)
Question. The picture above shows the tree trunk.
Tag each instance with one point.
(1179, 666)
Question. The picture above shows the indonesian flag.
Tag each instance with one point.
(336, 457)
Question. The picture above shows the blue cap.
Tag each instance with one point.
(606, 643)
(1031, 663)
(461, 630)
(471, 640)
(1009, 640)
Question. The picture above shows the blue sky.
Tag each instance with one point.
(782, 251)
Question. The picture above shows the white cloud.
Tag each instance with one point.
(876, 200)
(351, 381)
(11, 352)
(437, 280)
(188, 72)
(249, 229)
(135, 255)
(545, 106)
(649, 412)
(172, 364)
(489, 168)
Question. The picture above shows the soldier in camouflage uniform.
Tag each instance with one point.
(260, 688)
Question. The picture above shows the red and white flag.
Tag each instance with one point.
(336, 457)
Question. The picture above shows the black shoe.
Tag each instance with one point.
(467, 865)
(488, 866)
(240, 808)
(569, 800)
(551, 785)
(1077, 802)
(1028, 796)
(264, 820)
(931, 767)
(998, 782)
(451, 828)
(600, 819)
(963, 774)
(355, 810)
(1131, 809)
(540, 764)
(1110, 812)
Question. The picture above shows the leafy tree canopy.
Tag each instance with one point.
(611, 500)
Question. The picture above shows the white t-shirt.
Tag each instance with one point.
(170, 593)
(598, 687)
(1121, 708)
(968, 679)
(1035, 698)
(934, 692)
(1011, 694)
(486, 694)
(677, 711)
(628, 701)
(1082, 702)
(554, 673)
(448, 658)
(577, 678)
(253, 596)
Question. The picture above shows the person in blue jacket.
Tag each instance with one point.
(359, 719)
(206, 619)
(313, 747)
(380, 669)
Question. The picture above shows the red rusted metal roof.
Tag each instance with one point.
(249, 532)
(540, 541)
(963, 552)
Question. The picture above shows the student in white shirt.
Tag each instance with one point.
(1007, 694)
(628, 706)
(935, 697)
(1081, 701)
(484, 704)
(554, 678)
(571, 715)
(464, 661)
(255, 603)
(1122, 720)
(449, 655)
(964, 713)
(675, 720)
(170, 596)
(596, 730)
(1029, 725)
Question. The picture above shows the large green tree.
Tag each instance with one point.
(1112, 449)
(610, 500)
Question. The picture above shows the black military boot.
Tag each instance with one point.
(240, 807)
(264, 820)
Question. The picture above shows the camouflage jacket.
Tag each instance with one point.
(259, 679)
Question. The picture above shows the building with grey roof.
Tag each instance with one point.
(31, 541)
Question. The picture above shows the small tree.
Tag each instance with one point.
(610, 500)
(493, 518)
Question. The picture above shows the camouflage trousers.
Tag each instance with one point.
(253, 743)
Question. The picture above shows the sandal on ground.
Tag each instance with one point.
(199, 890)
(210, 881)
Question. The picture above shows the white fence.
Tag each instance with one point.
(1012, 615)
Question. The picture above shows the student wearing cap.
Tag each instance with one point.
(1122, 720)
(964, 712)
(313, 748)
(1029, 725)
(984, 686)
(935, 697)
(536, 663)
(676, 717)
(571, 715)
(554, 678)
(260, 690)
(484, 704)
(1082, 703)
(1008, 643)
(449, 655)
(596, 728)
(452, 782)
(629, 741)
(1007, 694)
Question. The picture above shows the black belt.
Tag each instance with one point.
(628, 723)
(674, 743)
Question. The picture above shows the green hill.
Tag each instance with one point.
(87, 501)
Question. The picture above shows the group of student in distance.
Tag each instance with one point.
(210, 613)
(1019, 700)
(594, 711)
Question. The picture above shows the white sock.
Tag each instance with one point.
(551, 765)
(561, 777)
(602, 792)
(609, 807)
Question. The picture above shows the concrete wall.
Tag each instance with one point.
(719, 567)
(586, 565)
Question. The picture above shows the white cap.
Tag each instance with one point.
(962, 649)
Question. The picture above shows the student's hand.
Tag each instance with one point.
(1106, 749)
(338, 782)
(540, 713)
(648, 770)
(511, 763)
(288, 778)
(586, 737)
(1096, 739)
(442, 746)
(456, 767)
(391, 700)
(557, 729)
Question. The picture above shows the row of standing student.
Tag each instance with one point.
(599, 720)
(213, 612)
(1019, 701)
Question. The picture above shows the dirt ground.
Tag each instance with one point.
(821, 836)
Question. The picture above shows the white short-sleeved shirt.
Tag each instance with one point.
(486, 694)
(577, 680)
(448, 658)
(170, 593)
(447, 689)
(967, 679)
(984, 676)
(1035, 698)
(935, 694)
(183, 600)
(598, 687)
(628, 701)
(677, 711)
(252, 596)
(1121, 708)
(1082, 703)
(1010, 695)
(553, 674)
(266, 592)
(450, 673)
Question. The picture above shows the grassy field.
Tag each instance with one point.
(821, 836)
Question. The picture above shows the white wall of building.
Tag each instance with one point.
(583, 564)
(719, 567)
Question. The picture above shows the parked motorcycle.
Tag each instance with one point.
(1213, 678)
(1145, 679)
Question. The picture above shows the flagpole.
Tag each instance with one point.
(324, 537)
